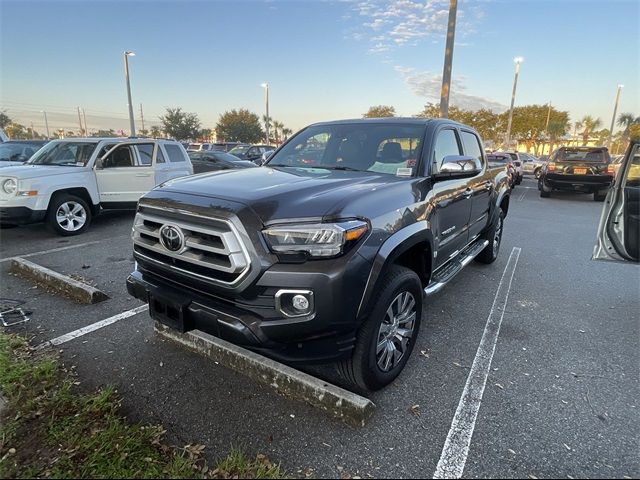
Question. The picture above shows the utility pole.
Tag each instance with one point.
(141, 117)
(613, 119)
(126, 77)
(546, 128)
(46, 124)
(267, 120)
(448, 60)
(80, 121)
(84, 117)
(518, 61)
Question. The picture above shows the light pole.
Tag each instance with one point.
(266, 96)
(46, 123)
(518, 61)
(448, 60)
(126, 76)
(613, 119)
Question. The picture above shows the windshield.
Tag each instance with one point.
(582, 155)
(12, 152)
(194, 146)
(65, 153)
(240, 150)
(498, 158)
(374, 147)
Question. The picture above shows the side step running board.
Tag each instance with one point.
(441, 278)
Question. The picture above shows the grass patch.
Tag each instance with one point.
(47, 429)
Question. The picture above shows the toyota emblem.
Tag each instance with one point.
(171, 238)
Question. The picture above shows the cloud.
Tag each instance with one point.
(428, 85)
(399, 23)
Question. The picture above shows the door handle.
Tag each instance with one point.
(143, 174)
(468, 192)
(488, 185)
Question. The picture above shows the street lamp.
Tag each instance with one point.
(46, 123)
(267, 121)
(517, 61)
(615, 110)
(126, 76)
(448, 60)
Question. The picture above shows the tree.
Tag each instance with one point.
(4, 120)
(530, 122)
(380, 111)
(205, 134)
(105, 133)
(16, 131)
(286, 132)
(239, 126)
(155, 131)
(277, 127)
(626, 120)
(180, 125)
(489, 125)
(589, 124)
(556, 130)
(144, 133)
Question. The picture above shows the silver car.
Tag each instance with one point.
(531, 164)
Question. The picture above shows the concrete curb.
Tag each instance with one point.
(347, 406)
(77, 291)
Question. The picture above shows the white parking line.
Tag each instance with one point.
(53, 250)
(521, 197)
(93, 327)
(456, 447)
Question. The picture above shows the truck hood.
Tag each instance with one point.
(286, 193)
(9, 163)
(35, 171)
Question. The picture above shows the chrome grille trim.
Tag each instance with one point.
(216, 246)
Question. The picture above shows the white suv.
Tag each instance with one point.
(68, 181)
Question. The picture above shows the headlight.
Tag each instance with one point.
(10, 186)
(317, 240)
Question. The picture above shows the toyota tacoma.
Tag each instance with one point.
(323, 255)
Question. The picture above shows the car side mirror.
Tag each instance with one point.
(458, 166)
(99, 163)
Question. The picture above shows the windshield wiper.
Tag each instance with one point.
(341, 167)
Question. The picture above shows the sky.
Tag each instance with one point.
(323, 60)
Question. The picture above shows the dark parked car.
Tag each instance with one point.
(619, 230)
(578, 169)
(251, 152)
(15, 152)
(212, 161)
(328, 261)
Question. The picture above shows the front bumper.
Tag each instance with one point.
(580, 183)
(252, 321)
(21, 215)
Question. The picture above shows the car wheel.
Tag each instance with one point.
(536, 173)
(387, 337)
(600, 196)
(519, 180)
(494, 236)
(68, 215)
(544, 194)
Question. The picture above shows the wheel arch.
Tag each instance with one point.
(80, 192)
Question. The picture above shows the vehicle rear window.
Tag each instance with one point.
(194, 146)
(174, 153)
(471, 145)
(582, 155)
(145, 153)
(498, 158)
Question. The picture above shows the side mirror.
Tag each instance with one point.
(459, 165)
(99, 163)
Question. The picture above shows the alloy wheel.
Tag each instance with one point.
(71, 216)
(396, 331)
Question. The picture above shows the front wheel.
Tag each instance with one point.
(68, 215)
(494, 236)
(536, 173)
(387, 337)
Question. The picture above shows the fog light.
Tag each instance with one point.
(301, 303)
(294, 303)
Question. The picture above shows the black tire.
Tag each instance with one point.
(362, 369)
(519, 180)
(494, 236)
(75, 205)
(544, 194)
(600, 196)
(537, 172)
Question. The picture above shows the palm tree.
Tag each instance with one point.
(576, 125)
(555, 131)
(626, 120)
(155, 131)
(277, 126)
(286, 132)
(589, 124)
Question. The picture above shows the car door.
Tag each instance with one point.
(177, 163)
(453, 200)
(481, 185)
(619, 230)
(125, 174)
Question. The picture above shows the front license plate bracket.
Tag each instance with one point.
(170, 313)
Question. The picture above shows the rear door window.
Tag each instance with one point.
(472, 145)
(446, 144)
(174, 153)
(145, 154)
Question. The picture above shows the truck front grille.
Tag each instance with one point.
(208, 248)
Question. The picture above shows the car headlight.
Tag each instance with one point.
(317, 240)
(10, 186)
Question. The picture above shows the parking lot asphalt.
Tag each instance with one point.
(561, 398)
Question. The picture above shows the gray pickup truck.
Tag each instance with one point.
(325, 254)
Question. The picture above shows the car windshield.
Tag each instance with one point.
(240, 150)
(13, 152)
(388, 148)
(582, 155)
(64, 153)
(194, 146)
